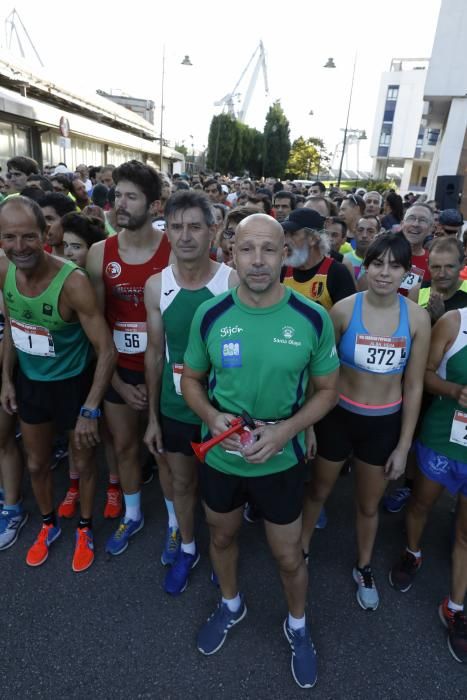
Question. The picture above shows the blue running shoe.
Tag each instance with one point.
(176, 580)
(213, 633)
(303, 662)
(322, 520)
(395, 501)
(11, 523)
(118, 542)
(171, 546)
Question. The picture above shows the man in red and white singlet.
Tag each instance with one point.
(119, 268)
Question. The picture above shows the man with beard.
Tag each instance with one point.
(309, 269)
(119, 268)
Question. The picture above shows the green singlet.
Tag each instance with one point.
(49, 348)
(444, 427)
(178, 307)
(260, 360)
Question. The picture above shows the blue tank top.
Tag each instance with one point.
(371, 353)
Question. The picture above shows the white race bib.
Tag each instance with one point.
(177, 371)
(412, 278)
(130, 338)
(379, 353)
(459, 429)
(34, 340)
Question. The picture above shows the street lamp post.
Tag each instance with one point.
(186, 62)
(330, 64)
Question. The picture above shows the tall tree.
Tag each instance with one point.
(221, 142)
(307, 156)
(276, 142)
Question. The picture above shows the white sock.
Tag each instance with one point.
(189, 548)
(296, 623)
(417, 555)
(132, 506)
(173, 522)
(233, 604)
(454, 606)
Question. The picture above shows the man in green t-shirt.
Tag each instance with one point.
(267, 350)
(171, 298)
(55, 332)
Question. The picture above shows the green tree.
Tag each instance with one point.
(307, 156)
(221, 142)
(276, 146)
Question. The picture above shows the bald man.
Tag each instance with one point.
(264, 349)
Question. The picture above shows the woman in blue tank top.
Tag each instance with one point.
(382, 338)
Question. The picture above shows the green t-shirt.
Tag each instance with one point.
(178, 307)
(48, 348)
(444, 427)
(260, 360)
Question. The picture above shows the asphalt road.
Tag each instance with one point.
(112, 632)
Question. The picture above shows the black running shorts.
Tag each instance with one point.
(129, 376)
(278, 497)
(371, 438)
(56, 402)
(177, 435)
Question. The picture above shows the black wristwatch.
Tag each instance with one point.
(90, 412)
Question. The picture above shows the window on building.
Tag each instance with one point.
(385, 136)
(383, 151)
(393, 92)
(432, 136)
(420, 136)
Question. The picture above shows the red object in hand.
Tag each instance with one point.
(236, 426)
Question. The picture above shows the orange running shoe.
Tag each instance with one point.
(113, 504)
(39, 551)
(67, 508)
(84, 550)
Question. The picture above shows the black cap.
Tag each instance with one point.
(303, 218)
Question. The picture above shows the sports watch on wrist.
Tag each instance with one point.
(90, 412)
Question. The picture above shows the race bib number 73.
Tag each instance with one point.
(379, 353)
(459, 429)
(32, 339)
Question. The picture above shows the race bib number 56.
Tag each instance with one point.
(34, 340)
(379, 354)
(130, 338)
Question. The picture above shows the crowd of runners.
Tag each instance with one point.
(320, 329)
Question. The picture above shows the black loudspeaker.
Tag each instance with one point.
(449, 191)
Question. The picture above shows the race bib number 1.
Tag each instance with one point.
(459, 429)
(130, 338)
(31, 339)
(379, 354)
(412, 278)
(177, 371)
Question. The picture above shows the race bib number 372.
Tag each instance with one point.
(31, 339)
(379, 354)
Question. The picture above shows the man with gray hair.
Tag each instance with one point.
(373, 203)
(417, 226)
(309, 269)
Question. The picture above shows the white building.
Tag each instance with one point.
(401, 138)
(446, 93)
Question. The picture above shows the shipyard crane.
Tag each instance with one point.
(228, 101)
